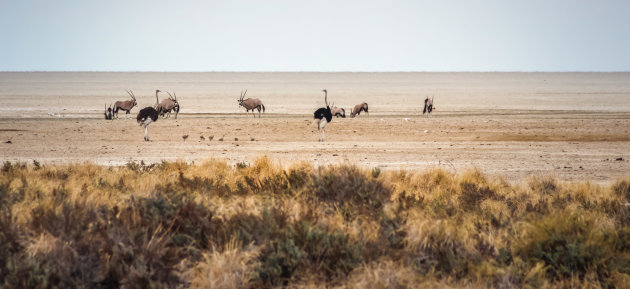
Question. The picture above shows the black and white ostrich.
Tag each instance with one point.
(323, 115)
(145, 117)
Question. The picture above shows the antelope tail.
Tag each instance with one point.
(263, 106)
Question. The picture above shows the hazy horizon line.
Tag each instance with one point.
(321, 71)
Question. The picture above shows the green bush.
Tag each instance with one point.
(350, 189)
(304, 247)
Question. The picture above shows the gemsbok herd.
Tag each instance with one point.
(150, 114)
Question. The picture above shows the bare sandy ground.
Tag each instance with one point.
(514, 144)
(571, 125)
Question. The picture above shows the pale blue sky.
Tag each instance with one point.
(285, 35)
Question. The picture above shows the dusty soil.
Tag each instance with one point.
(514, 144)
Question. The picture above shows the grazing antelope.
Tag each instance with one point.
(108, 112)
(428, 106)
(125, 105)
(338, 111)
(323, 115)
(251, 104)
(359, 108)
(145, 117)
(167, 105)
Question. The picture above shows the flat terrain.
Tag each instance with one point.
(514, 144)
(571, 125)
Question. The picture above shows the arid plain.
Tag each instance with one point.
(574, 126)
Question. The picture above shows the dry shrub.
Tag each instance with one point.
(418, 189)
(145, 225)
(473, 176)
(473, 194)
(233, 267)
(382, 274)
(544, 185)
(264, 177)
(226, 208)
(53, 249)
(60, 259)
(496, 212)
(305, 247)
(574, 244)
(445, 246)
(350, 189)
(622, 189)
(586, 194)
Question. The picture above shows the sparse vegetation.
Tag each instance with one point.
(259, 225)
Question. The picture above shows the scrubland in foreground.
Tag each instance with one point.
(212, 225)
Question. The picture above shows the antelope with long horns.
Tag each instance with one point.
(251, 104)
(125, 105)
(167, 105)
(428, 106)
(338, 111)
(145, 117)
(323, 115)
(108, 112)
(359, 108)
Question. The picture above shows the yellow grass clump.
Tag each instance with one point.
(231, 268)
(264, 225)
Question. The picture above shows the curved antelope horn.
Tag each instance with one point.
(169, 94)
(245, 93)
(131, 94)
(175, 94)
(241, 97)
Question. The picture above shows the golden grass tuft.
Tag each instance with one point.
(264, 225)
(230, 268)
(381, 275)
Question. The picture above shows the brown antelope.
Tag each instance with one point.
(359, 108)
(251, 104)
(323, 115)
(167, 105)
(338, 111)
(125, 105)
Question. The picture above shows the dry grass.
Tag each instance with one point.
(228, 269)
(262, 225)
